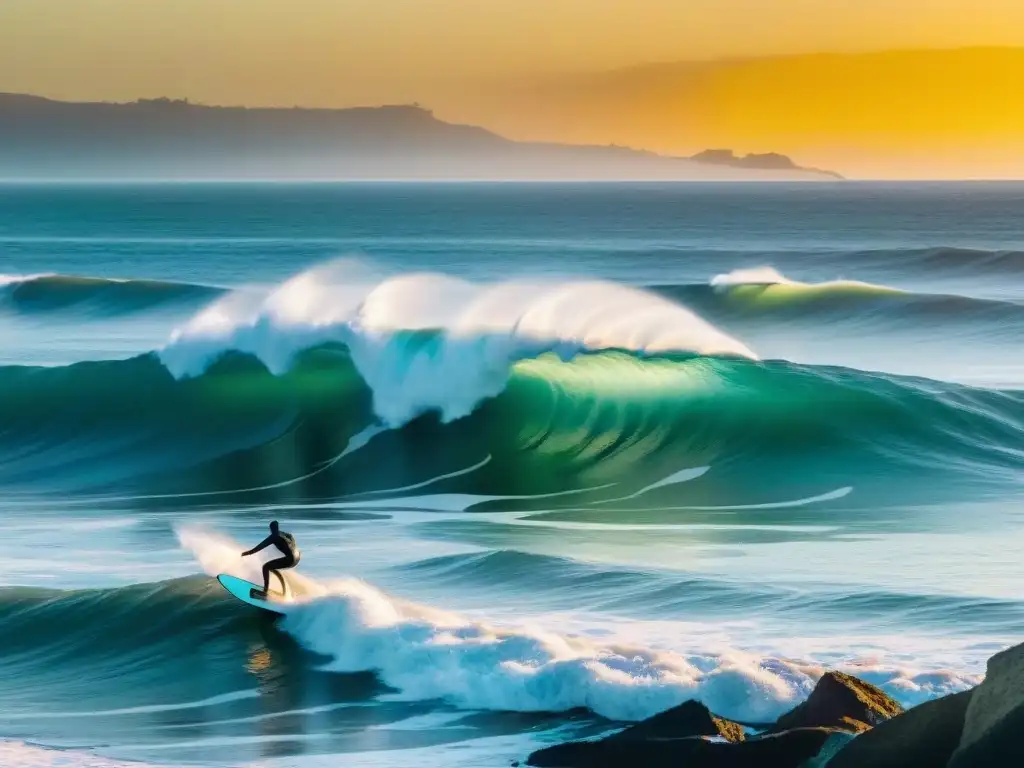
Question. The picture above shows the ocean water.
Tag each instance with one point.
(557, 456)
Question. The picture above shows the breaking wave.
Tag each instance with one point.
(546, 388)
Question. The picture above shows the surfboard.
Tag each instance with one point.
(240, 588)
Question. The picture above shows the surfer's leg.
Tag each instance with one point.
(275, 565)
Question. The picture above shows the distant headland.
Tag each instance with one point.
(174, 139)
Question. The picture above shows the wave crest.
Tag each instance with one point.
(427, 342)
(767, 283)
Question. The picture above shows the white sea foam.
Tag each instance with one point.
(7, 280)
(17, 754)
(752, 276)
(471, 335)
(426, 653)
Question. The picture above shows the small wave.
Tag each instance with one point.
(968, 260)
(30, 616)
(775, 285)
(48, 292)
(761, 292)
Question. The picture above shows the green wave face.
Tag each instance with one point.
(609, 417)
(612, 421)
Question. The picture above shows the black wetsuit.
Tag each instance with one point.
(284, 542)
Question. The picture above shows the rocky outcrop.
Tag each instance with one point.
(784, 750)
(768, 161)
(993, 730)
(174, 139)
(662, 737)
(844, 723)
(842, 702)
(923, 737)
(690, 718)
(690, 735)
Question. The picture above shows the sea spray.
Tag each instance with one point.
(425, 342)
(428, 653)
(433, 654)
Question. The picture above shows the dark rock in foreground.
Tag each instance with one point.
(842, 702)
(783, 750)
(994, 721)
(923, 737)
(657, 738)
(690, 735)
(690, 718)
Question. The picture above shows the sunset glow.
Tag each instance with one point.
(533, 68)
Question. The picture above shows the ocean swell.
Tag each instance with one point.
(96, 296)
(599, 419)
(760, 293)
(340, 382)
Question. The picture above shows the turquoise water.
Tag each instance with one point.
(548, 450)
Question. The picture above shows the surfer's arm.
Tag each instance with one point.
(262, 545)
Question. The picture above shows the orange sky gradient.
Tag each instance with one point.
(521, 67)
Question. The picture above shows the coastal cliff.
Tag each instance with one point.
(172, 139)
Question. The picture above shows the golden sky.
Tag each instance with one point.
(341, 52)
(471, 60)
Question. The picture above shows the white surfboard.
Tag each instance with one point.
(240, 588)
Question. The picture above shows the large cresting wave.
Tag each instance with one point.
(426, 342)
(340, 382)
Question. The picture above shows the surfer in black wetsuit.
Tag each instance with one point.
(285, 542)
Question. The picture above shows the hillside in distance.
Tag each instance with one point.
(164, 139)
(920, 114)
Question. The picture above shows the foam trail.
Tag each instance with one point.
(838, 493)
(223, 698)
(682, 476)
(432, 480)
(427, 342)
(832, 495)
(358, 441)
(456, 502)
(431, 654)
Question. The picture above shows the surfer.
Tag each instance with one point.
(285, 542)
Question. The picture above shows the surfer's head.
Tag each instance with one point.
(273, 526)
